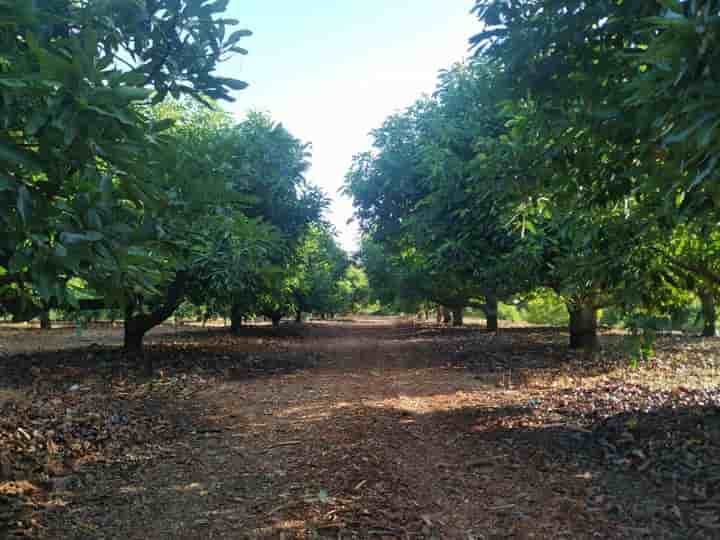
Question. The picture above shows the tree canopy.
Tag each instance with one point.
(563, 155)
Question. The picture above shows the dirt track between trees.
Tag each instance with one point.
(344, 430)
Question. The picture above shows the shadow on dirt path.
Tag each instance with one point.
(378, 431)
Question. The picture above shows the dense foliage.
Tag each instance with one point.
(76, 135)
(576, 152)
(124, 187)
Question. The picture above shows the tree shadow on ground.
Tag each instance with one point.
(657, 470)
(513, 355)
(644, 474)
(408, 421)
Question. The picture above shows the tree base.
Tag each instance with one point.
(583, 328)
(457, 316)
(491, 324)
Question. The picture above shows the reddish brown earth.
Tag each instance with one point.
(364, 429)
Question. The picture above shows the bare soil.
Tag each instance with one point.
(359, 429)
(25, 338)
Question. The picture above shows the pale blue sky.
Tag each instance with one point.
(331, 70)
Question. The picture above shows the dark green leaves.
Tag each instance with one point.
(78, 152)
(235, 37)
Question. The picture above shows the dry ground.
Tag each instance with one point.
(362, 429)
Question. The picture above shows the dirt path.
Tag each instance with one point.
(378, 440)
(379, 434)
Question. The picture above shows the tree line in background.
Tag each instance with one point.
(123, 187)
(576, 152)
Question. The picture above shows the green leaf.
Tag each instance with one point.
(60, 250)
(164, 124)
(24, 203)
(236, 36)
(36, 122)
(13, 154)
(6, 183)
(132, 93)
(76, 238)
(674, 5)
(679, 198)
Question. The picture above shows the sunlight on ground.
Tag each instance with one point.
(17, 487)
(132, 490)
(315, 411)
(278, 530)
(655, 378)
(194, 486)
(290, 524)
(431, 404)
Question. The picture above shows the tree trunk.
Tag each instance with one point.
(137, 325)
(709, 312)
(491, 312)
(438, 314)
(133, 341)
(446, 315)
(134, 335)
(236, 319)
(583, 327)
(298, 316)
(457, 316)
(45, 320)
(275, 318)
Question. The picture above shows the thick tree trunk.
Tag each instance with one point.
(236, 319)
(709, 312)
(446, 315)
(583, 327)
(135, 330)
(457, 316)
(45, 320)
(134, 335)
(491, 312)
(438, 314)
(137, 325)
(298, 316)
(275, 318)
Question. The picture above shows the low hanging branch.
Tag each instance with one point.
(683, 266)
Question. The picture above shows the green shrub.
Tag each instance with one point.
(509, 312)
(546, 308)
(613, 317)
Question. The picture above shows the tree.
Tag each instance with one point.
(191, 167)
(425, 171)
(236, 194)
(676, 89)
(76, 137)
(353, 290)
(318, 268)
(691, 258)
(394, 280)
(596, 165)
(269, 165)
